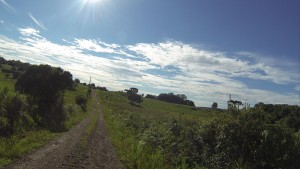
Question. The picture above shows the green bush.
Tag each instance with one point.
(81, 101)
(13, 113)
(251, 141)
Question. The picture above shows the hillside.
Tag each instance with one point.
(21, 126)
(156, 134)
(41, 103)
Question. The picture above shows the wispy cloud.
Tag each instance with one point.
(297, 88)
(29, 32)
(37, 22)
(202, 62)
(205, 76)
(280, 71)
(9, 7)
(99, 46)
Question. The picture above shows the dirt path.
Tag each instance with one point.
(76, 149)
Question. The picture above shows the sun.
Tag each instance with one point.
(92, 1)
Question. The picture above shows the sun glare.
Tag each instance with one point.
(92, 1)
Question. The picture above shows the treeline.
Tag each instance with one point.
(37, 101)
(172, 98)
(16, 68)
(288, 115)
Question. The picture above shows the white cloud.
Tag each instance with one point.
(297, 88)
(28, 32)
(280, 70)
(189, 58)
(212, 74)
(93, 45)
(9, 7)
(204, 76)
(37, 22)
(100, 47)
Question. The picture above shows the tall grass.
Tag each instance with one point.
(8, 82)
(162, 135)
(128, 146)
(74, 112)
(18, 145)
(129, 126)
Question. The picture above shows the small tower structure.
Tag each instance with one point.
(233, 104)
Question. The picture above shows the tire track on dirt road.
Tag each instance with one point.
(76, 149)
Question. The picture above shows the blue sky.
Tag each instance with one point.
(206, 49)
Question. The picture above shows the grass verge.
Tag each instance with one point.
(91, 127)
(17, 146)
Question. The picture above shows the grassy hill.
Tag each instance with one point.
(158, 134)
(130, 126)
(26, 139)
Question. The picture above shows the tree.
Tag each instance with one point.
(102, 88)
(190, 103)
(149, 96)
(178, 99)
(183, 96)
(133, 96)
(132, 90)
(93, 86)
(2, 60)
(77, 81)
(44, 85)
(214, 105)
(44, 82)
(16, 75)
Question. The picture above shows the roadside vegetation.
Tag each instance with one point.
(36, 104)
(164, 135)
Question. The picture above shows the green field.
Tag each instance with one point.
(128, 126)
(27, 140)
(158, 134)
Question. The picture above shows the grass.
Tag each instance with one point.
(118, 114)
(5, 67)
(152, 108)
(4, 81)
(91, 127)
(128, 146)
(18, 145)
(75, 115)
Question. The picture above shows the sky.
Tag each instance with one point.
(206, 49)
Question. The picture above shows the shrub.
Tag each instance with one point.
(55, 116)
(81, 101)
(135, 98)
(16, 75)
(13, 115)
